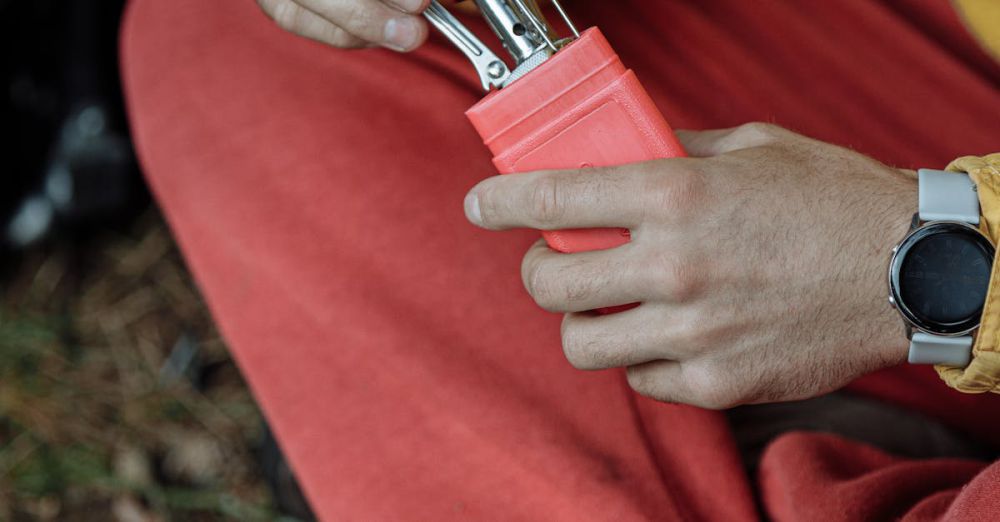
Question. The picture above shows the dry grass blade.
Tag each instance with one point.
(90, 429)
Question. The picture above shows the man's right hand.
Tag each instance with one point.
(351, 24)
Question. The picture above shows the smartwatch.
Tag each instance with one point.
(940, 273)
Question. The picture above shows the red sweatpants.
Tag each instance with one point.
(317, 195)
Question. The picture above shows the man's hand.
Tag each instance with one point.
(350, 24)
(760, 264)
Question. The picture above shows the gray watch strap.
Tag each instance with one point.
(945, 196)
(936, 349)
(948, 196)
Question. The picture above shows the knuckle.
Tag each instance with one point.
(711, 387)
(488, 211)
(759, 133)
(287, 15)
(643, 379)
(689, 334)
(677, 194)
(758, 129)
(360, 19)
(547, 201)
(341, 38)
(358, 15)
(715, 400)
(366, 20)
(640, 382)
(579, 351)
(679, 280)
(539, 284)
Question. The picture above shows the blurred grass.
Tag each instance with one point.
(118, 399)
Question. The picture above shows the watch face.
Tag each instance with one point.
(941, 275)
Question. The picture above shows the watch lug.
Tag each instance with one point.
(915, 222)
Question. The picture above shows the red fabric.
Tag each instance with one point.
(823, 477)
(317, 195)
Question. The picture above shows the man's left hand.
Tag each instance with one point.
(760, 263)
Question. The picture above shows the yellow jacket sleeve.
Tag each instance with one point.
(983, 19)
(983, 373)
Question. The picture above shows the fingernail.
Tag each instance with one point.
(472, 209)
(401, 34)
(409, 6)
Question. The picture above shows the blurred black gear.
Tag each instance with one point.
(68, 162)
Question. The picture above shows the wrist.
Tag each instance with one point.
(901, 206)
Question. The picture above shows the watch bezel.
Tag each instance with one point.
(956, 329)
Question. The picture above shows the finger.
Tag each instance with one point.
(566, 199)
(294, 18)
(466, 6)
(600, 342)
(584, 281)
(660, 380)
(413, 6)
(696, 382)
(375, 21)
(709, 143)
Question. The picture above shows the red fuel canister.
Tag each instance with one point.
(580, 108)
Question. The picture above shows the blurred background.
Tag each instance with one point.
(118, 399)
